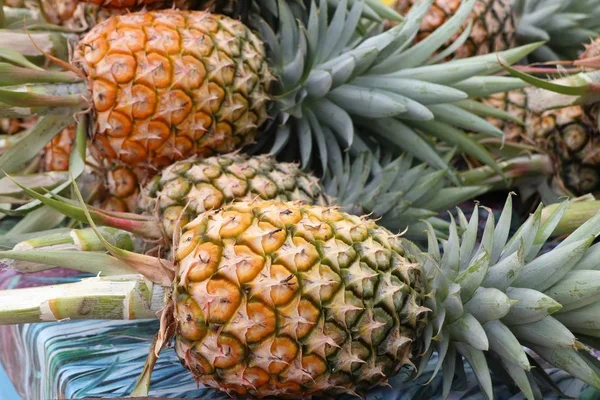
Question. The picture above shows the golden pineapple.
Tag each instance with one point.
(166, 85)
(117, 187)
(278, 299)
(493, 24)
(55, 155)
(11, 126)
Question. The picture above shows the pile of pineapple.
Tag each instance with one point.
(270, 179)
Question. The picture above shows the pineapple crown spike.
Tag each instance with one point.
(528, 293)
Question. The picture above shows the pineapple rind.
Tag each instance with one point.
(398, 194)
(318, 301)
(169, 84)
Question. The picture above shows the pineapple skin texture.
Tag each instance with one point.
(166, 85)
(566, 134)
(282, 299)
(493, 25)
(191, 187)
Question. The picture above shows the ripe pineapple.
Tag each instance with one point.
(166, 85)
(288, 300)
(566, 134)
(493, 26)
(152, 109)
(55, 155)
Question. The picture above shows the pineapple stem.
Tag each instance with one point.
(514, 170)
(576, 214)
(11, 75)
(119, 298)
(55, 239)
(91, 262)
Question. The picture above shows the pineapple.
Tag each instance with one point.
(166, 85)
(152, 108)
(565, 134)
(500, 24)
(400, 195)
(282, 299)
(55, 155)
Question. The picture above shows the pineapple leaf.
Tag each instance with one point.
(452, 115)
(483, 110)
(29, 99)
(421, 51)
(484, 86)
(454, 136)
(479, 364)
(448, 51)
(17, 58)
(384, 11)
(519, 376)
(11, 75)
(423, 92)
(40, 219)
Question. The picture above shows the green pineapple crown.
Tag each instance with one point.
(492, 298)
(484, 300)
(344, 84)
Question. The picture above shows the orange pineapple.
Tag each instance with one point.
(167, 85)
